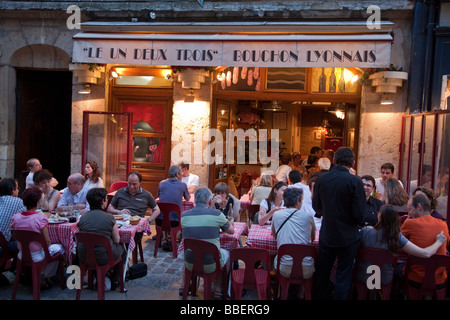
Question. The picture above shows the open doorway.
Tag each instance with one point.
(43, 122)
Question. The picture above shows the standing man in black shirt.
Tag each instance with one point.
(339, 198)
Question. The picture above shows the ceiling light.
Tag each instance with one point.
(85, 90)
(114, 74)
(274, 106)
(385, 100)
(190, 98)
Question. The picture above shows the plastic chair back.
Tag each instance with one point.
(428, 286)
(298, 252)
(166, 208)
(25, 238)
(200, 249)
(256, 273)
(90, 241)
(252, 211)
(378, 257)
(117, 185)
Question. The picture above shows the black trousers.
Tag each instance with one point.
(326, 258)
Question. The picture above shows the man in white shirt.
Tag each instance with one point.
(191, 180)
(34, 165)
(387, 171)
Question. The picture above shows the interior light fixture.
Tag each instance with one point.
(190, 98)
(220, 76)
(385, 100)
(86, 89)
(114, 74)
(354, 78)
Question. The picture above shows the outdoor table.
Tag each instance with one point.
(64, 234)
(227, 241)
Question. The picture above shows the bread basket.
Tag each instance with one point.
(134, 220)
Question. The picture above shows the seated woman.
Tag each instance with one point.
(226, 202)
(92, 175)
(33, 221)
(98, 221)
(395, 195)
(386, 235)
(431, 195)
(262, 190)
(273, 203)
(296, 163)
(50, 196)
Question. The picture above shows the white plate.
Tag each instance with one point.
(59, 220)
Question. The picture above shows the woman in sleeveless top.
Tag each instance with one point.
(50, 196)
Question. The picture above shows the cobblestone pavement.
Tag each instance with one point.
(162, 282)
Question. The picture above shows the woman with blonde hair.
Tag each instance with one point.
(395, 195)
(262, 190)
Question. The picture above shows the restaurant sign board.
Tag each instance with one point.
(289, 54)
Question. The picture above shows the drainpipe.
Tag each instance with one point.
(429, 56)
(421, 56)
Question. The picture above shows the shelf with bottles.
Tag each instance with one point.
(333, 80)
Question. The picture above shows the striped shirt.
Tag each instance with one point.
(204, 223)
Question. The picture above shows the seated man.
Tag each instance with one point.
(134, 200)
(191, 180)
(293, 225)
(373, 205)
(421, 229)
(172, 190)
(74, 196)
(205, 223)
(387, 172)
(10, 204)
(34, 165)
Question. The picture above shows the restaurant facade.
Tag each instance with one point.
(143, 86)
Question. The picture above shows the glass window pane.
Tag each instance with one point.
(415, 155)
(442, 156)
(240, 79)
(405, 154)
(106, 136)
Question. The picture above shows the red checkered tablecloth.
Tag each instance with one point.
(64, 234)
(261, 237)
(227, 241)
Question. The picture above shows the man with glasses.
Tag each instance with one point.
(373, 205)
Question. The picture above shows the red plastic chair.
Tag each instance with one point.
(166, 208)
(297, 252)
(7, 254)
(402, 219)
(252, 210)
(251, 276)
(378, 257)
(117, 185)
(200, 248)
(428, 286)
(25, 237)
(91, 240)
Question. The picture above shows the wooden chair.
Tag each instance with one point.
(378, 257)
(200, 249)
(252, 276)
(90, 241)
(428, 286)
(25, 237)
(298, 252)
(166, 208)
